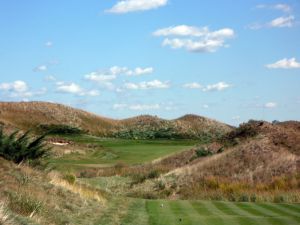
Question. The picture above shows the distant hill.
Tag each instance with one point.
(30, 115)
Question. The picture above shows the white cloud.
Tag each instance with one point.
(182, 30)
(126, 6)
(194, 39)
(205, 106)
(119, 106)
(283, 21)
(236, 118)
(16, 86)
(49, 78)
(136, 107)
(142, 107)
(41, 68)
(285, 64)
(140, 71)
(270, 105)
(282, 7)
(155, 84)
(20, 89)
(193, 85)
(217, 87)
(72, 88)
(49, 44)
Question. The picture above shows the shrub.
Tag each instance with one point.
(22, 148)
(70, 178)
(59, 129)
(153, 174)
(201, 152)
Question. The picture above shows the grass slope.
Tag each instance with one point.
(108, 152)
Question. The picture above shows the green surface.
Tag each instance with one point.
(108, 152)
(165, 212)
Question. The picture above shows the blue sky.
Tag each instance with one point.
(228, 60)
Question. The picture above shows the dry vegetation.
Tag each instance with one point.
(36, 197)
(31, 115)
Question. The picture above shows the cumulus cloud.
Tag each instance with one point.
(72, 88)
(19, 89)
(140, 71)
(193, 85)
(282, 7)
(126, 6)
(41, 68)
(220, 86)
(285, 64)
(155, 84)
(16, 86)
(194, 39)
(136, 107)
(270, 105)
(49, 78)
(283, 21)
(286, 20)
(217, 87)
(105, 78)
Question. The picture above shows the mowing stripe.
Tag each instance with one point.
(136, 213)
(215, 211)
(251, 208)
(282, 210)
(239, 211)
(159, 215)
(267, 211)
(194, 215)
(292, 208)
(225, 208)
(281, 221)
(180, 212)
(200, 207)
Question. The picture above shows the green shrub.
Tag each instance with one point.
(244, 198)
(70, 178)
(153, 174)
(201, 152)
(59, 129)
(22, 148)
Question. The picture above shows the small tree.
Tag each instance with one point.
(22, 148)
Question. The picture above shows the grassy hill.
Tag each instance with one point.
(30, 115)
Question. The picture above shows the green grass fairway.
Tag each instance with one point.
(110, 151)
(163, 212)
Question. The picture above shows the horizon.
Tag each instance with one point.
(121, 59)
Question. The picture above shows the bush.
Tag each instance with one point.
(22, 148)
(201, 152)
(70, 178)
(59, 129)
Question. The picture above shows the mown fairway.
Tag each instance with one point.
(163, 212)
(108, 152)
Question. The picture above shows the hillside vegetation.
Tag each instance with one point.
(37, 115)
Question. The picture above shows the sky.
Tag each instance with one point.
(230, 60)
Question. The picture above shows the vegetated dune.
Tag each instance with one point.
(29, 196)
(29, 115)
(258, 152)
